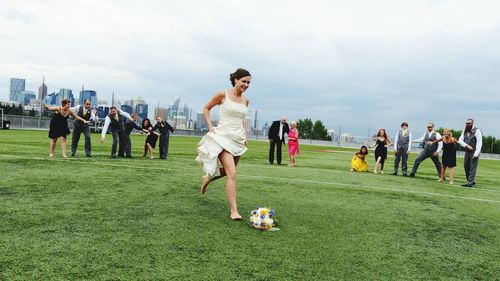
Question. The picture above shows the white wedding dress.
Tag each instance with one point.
(229, 135)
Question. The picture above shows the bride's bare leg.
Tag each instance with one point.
(229, 162)
(206, 180)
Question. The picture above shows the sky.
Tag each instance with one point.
(355, 65)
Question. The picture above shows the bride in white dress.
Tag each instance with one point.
(224, 144)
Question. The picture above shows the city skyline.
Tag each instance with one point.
(361, 65)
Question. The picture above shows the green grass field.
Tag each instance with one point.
(142, 219)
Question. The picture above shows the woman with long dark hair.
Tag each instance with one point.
(224, 144)
(382, 141)
(151, 138)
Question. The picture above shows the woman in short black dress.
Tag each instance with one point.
(381, 142)
(59, 125)
(449, 157)
(151, 139)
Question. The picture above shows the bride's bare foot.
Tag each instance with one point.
(235, 217)
(205, 180)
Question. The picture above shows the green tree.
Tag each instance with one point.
(319, 132)
(305, 128)
(20, 109)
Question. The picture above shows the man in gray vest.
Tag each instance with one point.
(402, 147)
(430, 150)
(472, 140)
(79, 127)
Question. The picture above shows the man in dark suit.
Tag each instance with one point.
(164, 128)
(276, 137)
(126, 148)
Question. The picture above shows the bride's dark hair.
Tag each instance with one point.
(238, 74)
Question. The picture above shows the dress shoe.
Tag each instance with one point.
(72, 155)
(394, 174)
(113, 156)
(412, 175)
(129, 156)
(405, 175)
(467, 185)
(473, 183)
(89, 156)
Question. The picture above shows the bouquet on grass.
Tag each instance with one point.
(262, 218)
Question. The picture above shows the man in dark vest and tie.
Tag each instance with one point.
(402, 147)
(472, 140)
(126, 148)
(276, 137)
(115, 124)
(86, 113)
(430, 150)
(165, 129)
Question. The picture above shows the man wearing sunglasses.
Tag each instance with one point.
(430, 150)
(472, 140)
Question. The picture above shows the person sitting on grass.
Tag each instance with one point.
(358, 162)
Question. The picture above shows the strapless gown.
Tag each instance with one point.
(229, 135)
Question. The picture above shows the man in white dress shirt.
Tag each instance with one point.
(472, 140)
(430, 150)
(114, 121)
(86, 113)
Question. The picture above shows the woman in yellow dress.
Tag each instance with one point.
(358, 162)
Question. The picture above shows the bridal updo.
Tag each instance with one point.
(238, 74)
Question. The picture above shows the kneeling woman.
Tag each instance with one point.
(358, 162)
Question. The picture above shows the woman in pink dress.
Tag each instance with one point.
(293, 143)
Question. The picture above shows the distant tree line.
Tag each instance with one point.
(19, 110)
(314, 131)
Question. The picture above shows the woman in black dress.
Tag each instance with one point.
(151, 139)
(381, 142)
(449, 158)
(59, 125)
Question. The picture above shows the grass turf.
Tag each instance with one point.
(142, 219)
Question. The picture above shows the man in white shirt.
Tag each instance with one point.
(472, 140)
(402, 147)
(86, 113)
(115, 124)
(430, 149)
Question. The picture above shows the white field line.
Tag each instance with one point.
(289, 179)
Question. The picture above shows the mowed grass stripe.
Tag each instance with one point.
(281, 179)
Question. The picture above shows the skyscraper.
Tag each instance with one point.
(24, 97)
(126, 108)
(17, 85)
(42, 91)
(141, 109)
(90, 95)
(65, 94)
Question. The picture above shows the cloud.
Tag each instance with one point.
(362, 63)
